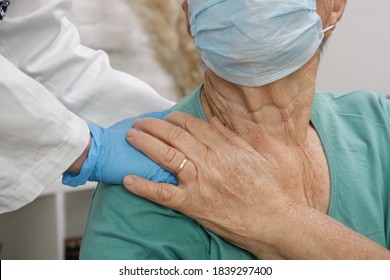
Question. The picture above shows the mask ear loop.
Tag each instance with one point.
(332, 27)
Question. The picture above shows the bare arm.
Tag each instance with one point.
(311, 234)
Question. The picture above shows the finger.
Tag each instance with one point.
(161, 193)
(228, 134)
(201, 130)
(172, 135)
(161, 153)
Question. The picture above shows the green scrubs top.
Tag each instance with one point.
(355, 133)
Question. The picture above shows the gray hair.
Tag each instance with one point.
(322, 47)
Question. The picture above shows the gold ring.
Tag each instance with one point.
(182, 164)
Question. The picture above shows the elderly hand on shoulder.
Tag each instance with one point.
(230, 188)
(219, 173)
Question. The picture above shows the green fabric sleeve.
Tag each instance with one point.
(124, 226)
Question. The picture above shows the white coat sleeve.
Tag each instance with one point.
(39, 138)
(46, 46)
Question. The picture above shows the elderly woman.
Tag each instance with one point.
(278, 171)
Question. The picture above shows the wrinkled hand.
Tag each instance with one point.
(225, 185)
(111, 157)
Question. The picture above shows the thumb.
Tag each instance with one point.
(161, 193)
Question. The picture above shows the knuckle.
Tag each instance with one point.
(191, 123)
(168, 197)
(193, 173)
(170, 155)
(164, 194)
(175, 134)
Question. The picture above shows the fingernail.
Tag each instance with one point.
(136, 122)
(132, 132)
(129, 181)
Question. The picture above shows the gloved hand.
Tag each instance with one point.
(111, 157)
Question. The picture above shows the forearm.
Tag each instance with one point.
(309, 234)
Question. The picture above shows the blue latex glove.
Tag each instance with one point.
(111, 157)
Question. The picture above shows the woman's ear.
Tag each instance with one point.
(338, 10)
(184, 5)
(333, 12)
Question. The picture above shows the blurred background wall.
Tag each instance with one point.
(148, 39)
(358, 54)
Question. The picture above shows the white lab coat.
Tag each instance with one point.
(50, 86)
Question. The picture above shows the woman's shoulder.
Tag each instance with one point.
(359, 104)
(122, 225)
(350, 97)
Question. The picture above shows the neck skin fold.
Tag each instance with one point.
(275, 120)
(278, 112)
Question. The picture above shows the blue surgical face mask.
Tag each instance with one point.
(255, 42)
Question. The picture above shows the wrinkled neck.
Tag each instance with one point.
(278, 111)
(275, 120)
